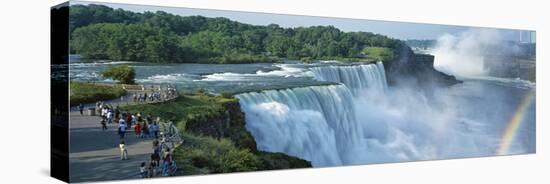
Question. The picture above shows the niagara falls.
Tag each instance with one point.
(222, 92)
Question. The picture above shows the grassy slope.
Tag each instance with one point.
(89, 93)
(182, 107)
(379, 53)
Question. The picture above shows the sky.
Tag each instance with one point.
(399, 30)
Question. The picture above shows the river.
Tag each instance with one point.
(340, 114)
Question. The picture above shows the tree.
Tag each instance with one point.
(100, 32)
(124, 74)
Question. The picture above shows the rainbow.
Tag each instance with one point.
(514, 124)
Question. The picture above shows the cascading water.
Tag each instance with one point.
(315, 123)
(355, 77)
(362, 121)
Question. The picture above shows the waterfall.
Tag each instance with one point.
(355, 77)
(360, 121)
(315, 123)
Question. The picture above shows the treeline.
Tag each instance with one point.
(101, 32)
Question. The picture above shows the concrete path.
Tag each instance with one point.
(95, 155)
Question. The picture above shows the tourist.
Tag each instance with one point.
(137, 130)
(151, 129)
(109, 116)
(156, 130)
(103, 112)
(129, 120)
(167, 162)
(162, 139)
(117, 112)
(122, 129)
(139, 117)
(143, 170)
(123, 151)
(149, 119)
(122, 119)
(152, 166)
(100, 104)
(81, 109)
(145, 130)
(103, 124)
(156, 148)
(134, 119)
(167, 155)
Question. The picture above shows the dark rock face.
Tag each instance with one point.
(416, 70)
(272, 161)
(230, 123)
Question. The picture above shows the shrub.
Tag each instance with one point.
(215, 156)
(227, 95)
(124, 74)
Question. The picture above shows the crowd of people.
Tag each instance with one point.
(160, 160)
(144, 127)
(155, 95)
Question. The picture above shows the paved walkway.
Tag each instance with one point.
(95, 154)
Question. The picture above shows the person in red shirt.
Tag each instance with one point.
(137, 129)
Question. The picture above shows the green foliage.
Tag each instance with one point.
(130, 42)
(379, 53)
(184, 108)
(201, 91)
(101, 32)
(237, 58)
(226, 95)
(306, 60)
(209, 155)
(82, 93)
(124, 74)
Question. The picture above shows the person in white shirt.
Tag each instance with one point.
(122, 129)
(143, 170)
(121, 121)
(123, 151)
(110, 116)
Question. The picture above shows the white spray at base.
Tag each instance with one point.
(463, 55)
(331, 125)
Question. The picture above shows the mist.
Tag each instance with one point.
(464, 55)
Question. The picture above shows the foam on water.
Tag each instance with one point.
(285, 71)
